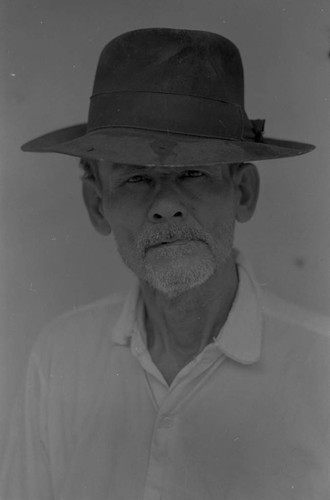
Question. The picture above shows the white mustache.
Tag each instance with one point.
(151, 236)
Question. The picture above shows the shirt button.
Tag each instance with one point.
(138, 350)
(166, 422)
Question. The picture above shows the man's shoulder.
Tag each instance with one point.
(296, 348)
(290, 334)
(81, 328)
(295, 333)
(294, 317)
(105, 308)
(281, 316)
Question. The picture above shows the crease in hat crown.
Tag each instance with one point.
(183, 84)
(172, 61)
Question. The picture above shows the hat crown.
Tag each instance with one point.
(172, 97)
(174, 61)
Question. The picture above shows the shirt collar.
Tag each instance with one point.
(125, 326)
(240, 337)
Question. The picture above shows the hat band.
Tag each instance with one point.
(173, 113)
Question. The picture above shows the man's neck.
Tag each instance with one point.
(179, 329)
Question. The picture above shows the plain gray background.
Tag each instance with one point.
(50, 257)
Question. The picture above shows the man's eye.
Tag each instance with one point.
(193, 173)
(136, 179)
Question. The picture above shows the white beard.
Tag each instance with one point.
(181, 271)
(173, 270)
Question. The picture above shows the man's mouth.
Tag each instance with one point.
(169, 242)
(172, 242)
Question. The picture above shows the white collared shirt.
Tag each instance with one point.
(247, 419)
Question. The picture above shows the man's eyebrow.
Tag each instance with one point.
(119, 168)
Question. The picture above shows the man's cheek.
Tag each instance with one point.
(125, 238)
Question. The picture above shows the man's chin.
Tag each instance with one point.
(178, 279)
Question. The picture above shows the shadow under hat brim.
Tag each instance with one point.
(159, 148)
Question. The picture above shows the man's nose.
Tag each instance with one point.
(166, 206)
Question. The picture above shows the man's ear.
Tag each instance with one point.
(93, 201)
(246, 184)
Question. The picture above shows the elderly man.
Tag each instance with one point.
(196, 385)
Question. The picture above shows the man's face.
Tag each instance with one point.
(174, 227)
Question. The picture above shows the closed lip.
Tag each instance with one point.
(171, 242)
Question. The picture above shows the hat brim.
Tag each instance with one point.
(158, 148)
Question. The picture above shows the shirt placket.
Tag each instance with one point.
(169, 401)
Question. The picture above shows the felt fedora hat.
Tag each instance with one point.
(168, 97)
